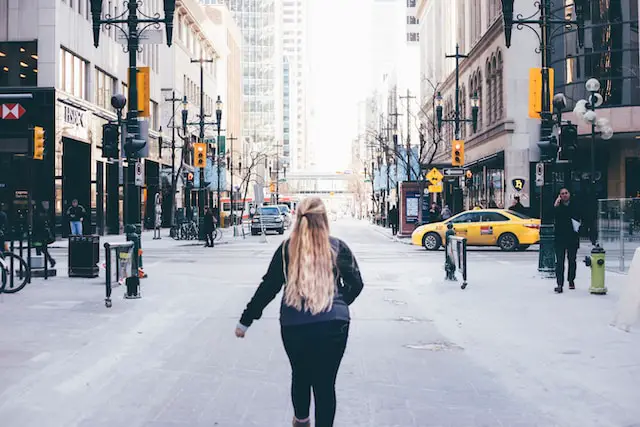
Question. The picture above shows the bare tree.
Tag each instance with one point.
(430, 140)
(249, 174)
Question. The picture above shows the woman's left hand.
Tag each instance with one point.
(239, 333)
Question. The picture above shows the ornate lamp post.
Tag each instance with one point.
(548, 150)
(133, 18)
(219, 153)
(586, 110)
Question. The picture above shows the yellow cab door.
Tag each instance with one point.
(467, 225)
(491, 225)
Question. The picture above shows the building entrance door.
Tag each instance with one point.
(76, 181)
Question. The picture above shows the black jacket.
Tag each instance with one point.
(563, 215)
(518, 207)
(75, 213)
(348, 283)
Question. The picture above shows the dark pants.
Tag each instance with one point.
(394, 228)
(315, 351)
(208, 237)
(570, 250)
(47, 256)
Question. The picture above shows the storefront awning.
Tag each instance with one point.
(485, 161)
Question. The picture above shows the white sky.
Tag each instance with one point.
(339, 58)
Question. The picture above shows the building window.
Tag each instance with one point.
(19, 63)
(72, 74)
(153, 118)
(104, 89)
(499, 86)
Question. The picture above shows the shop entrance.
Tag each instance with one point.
(76, 181)
(632, 177)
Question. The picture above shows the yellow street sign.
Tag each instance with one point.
(535, 91)
(434, 176)
(144, 91)
(435, 188)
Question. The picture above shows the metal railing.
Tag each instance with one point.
(619, 230)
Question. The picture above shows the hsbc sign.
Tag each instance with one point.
(12, 111)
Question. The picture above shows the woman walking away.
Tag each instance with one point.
(321, 279)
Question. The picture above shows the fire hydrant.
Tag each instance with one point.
(596, 262)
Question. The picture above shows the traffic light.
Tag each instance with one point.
(549, 145)
(189, 183)
(457, 153)
(110, 141)
(199, 155)
(38, 143)
(568, 142)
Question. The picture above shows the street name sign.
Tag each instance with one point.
(454, 172)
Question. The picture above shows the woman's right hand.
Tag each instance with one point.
(240, 333)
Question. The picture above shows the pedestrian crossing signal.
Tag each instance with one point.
(199, 155)
(189, 183)
(457, 153)
(38, 143)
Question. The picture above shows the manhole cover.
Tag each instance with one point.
(435, 346)
(395, 301)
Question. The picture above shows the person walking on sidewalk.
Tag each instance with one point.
(76, 214)
(393, 219)
(567, 240)
(517, 206)
(209, 227)
(321, 279)
(43, 234)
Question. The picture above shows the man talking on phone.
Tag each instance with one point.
(567, 240)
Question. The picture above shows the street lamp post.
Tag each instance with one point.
(230, 162)
(133, 142)
(586, 110)
(201, 188)
(548, 148)
(218, 153)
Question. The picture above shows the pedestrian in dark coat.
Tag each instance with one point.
(209, 227)
(393, 220)
(517, 206)
(43, 234)
(321, 279)
(567, 240)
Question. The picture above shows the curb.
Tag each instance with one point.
(397, 239)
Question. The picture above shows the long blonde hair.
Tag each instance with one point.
(310, 277)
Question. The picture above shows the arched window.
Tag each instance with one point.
(480, 98)
(490, 100)
(463, 112)
(499, 85)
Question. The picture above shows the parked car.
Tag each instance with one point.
(268, 218)
(506, 229)
(286, 215)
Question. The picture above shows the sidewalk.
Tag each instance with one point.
(387, 233)
(149, 243)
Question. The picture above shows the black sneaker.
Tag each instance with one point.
(558, 289)
(572, 285)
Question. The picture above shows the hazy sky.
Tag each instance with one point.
(339, 47)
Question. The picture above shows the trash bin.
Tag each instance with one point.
(84, 255)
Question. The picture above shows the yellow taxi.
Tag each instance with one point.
(508, 230)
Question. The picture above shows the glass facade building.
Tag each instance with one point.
(610, 53)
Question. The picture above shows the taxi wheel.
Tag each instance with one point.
(431, 241)
(508, 242)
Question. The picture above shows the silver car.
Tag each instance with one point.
(286, 215)
(268, 218)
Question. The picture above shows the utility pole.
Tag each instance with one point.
(201, 188)
(233, 218)
(174, 178)
(408, 98)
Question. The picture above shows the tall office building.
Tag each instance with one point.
(261, 71)
(294, 47)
